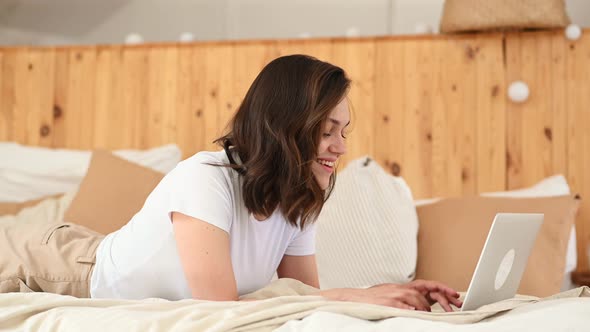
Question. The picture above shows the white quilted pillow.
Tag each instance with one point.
(49, 210)
(367, 230)
(28, 172)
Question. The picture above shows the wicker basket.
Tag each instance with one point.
(481, 15)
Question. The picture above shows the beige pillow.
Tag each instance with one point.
(112, 191)
(453, 231)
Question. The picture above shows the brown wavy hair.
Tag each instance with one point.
(276, 132)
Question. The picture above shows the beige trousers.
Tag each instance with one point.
(55, 258)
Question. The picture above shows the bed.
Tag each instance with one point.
(438, 102)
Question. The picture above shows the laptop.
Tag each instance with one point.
(503, 259)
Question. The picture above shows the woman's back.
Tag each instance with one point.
(141, 259)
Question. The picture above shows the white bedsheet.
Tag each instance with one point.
(280, 306)
(567, 315)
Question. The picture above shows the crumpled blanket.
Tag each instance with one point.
(281, 301)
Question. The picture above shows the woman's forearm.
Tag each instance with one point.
(338, 294)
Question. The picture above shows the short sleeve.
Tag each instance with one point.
(303, 243)
(202, 191)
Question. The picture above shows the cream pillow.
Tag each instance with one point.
(28, 173)
(367, 230)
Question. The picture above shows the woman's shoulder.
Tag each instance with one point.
(207, 157)
(204, 161)
(203, 165)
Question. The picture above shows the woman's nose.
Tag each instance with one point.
(339, 146)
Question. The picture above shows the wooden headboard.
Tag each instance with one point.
(432, 109)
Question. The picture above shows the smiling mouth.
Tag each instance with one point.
(327, 164)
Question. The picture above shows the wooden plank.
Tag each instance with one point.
(390, 89)
(491, 116)
(514, 116)
(160, 115)
(458, 74)
(78, 112)
(417, 120)
(191, 95)
(434, 136)
(40, 108)
(558, 106)
(441, 87)
(7, 70)
(134, 77)
(21, 97)
(536, 148)
(357, 58)
(109, 126)
(221, 100)
(33, 117)
(465, 140)
(60, 96)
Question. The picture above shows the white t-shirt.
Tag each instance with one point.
(141, 259)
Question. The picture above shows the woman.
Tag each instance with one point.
(222, 223)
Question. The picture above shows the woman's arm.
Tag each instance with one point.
(302, 268)
(204, 252)
(416, 295)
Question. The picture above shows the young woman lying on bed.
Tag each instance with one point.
(222, 223)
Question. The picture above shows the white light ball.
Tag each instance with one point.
(353, 32)
(133, 38)
(518, 91)
(304, 35)
(186, 37)
(423, 28)
(573, 32)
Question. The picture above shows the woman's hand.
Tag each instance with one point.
(415, 295)
(435, 291)
(390, 295)
(398, 296)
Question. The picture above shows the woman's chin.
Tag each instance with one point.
(324, 184)
(323, 181)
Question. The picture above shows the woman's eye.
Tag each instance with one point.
(326, 134)
(345, 133)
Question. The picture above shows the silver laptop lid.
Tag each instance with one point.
(503, 259)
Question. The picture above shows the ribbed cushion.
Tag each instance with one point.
(367, 230)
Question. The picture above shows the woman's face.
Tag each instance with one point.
(332, 143)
